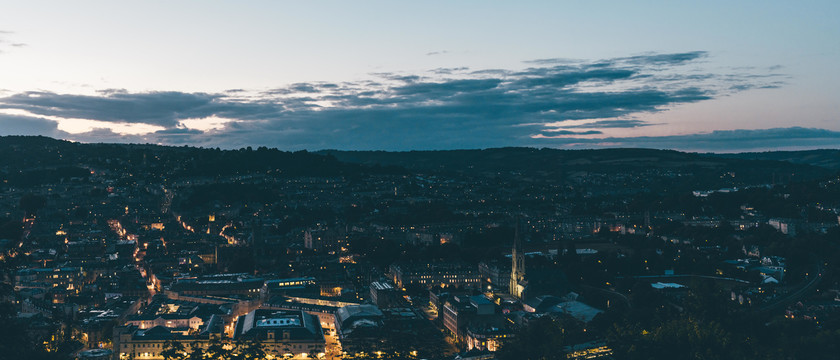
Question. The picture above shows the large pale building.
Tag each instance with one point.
(130, 342)
(283, 332)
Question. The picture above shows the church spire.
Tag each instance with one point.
(517, 269)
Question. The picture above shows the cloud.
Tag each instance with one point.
(561, 76)
(25, 125)
(449, 71)
(437, 90)
(791, 138)
(558, 133)
(552, 100)
(4, 35)
(610, 124)
(553, 61)
(664, 59)
(154, 108)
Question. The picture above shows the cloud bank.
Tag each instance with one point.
(551, 102)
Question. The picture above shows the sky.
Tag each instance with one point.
(711, 76)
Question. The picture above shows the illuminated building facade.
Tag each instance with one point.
(428, 275)
(282, 332)
(222, 284)
(131, 342)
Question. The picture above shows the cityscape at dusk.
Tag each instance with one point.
(262, 180)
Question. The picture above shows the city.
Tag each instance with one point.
(151, 252)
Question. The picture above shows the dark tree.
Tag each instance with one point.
(173, 350)
(31, 203)
(216, 350)
(542, 339)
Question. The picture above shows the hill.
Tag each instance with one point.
(27, 160)
(827, 158)
(34, 160)
(553, 162)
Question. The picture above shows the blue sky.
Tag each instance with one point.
(697, 76)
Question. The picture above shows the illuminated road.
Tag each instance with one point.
(117, 227)
(333, 348)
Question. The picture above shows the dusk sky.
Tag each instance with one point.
(722, 76)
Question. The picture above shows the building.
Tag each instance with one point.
(518, 283)
(383, 294)
(96, 325)
(222, 284)
(495, 273)
(590, 350)
(327, 240)
(427, 275)
(547, 304)
(64, 278)
(288, 286)
(358, 321)
(325, 314)
(131, 342)
(785, 226)
(282, 332)
(487, 335)
(180, 321)
(437, 298)
(460, 311)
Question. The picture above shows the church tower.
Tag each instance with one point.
(517, 268)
